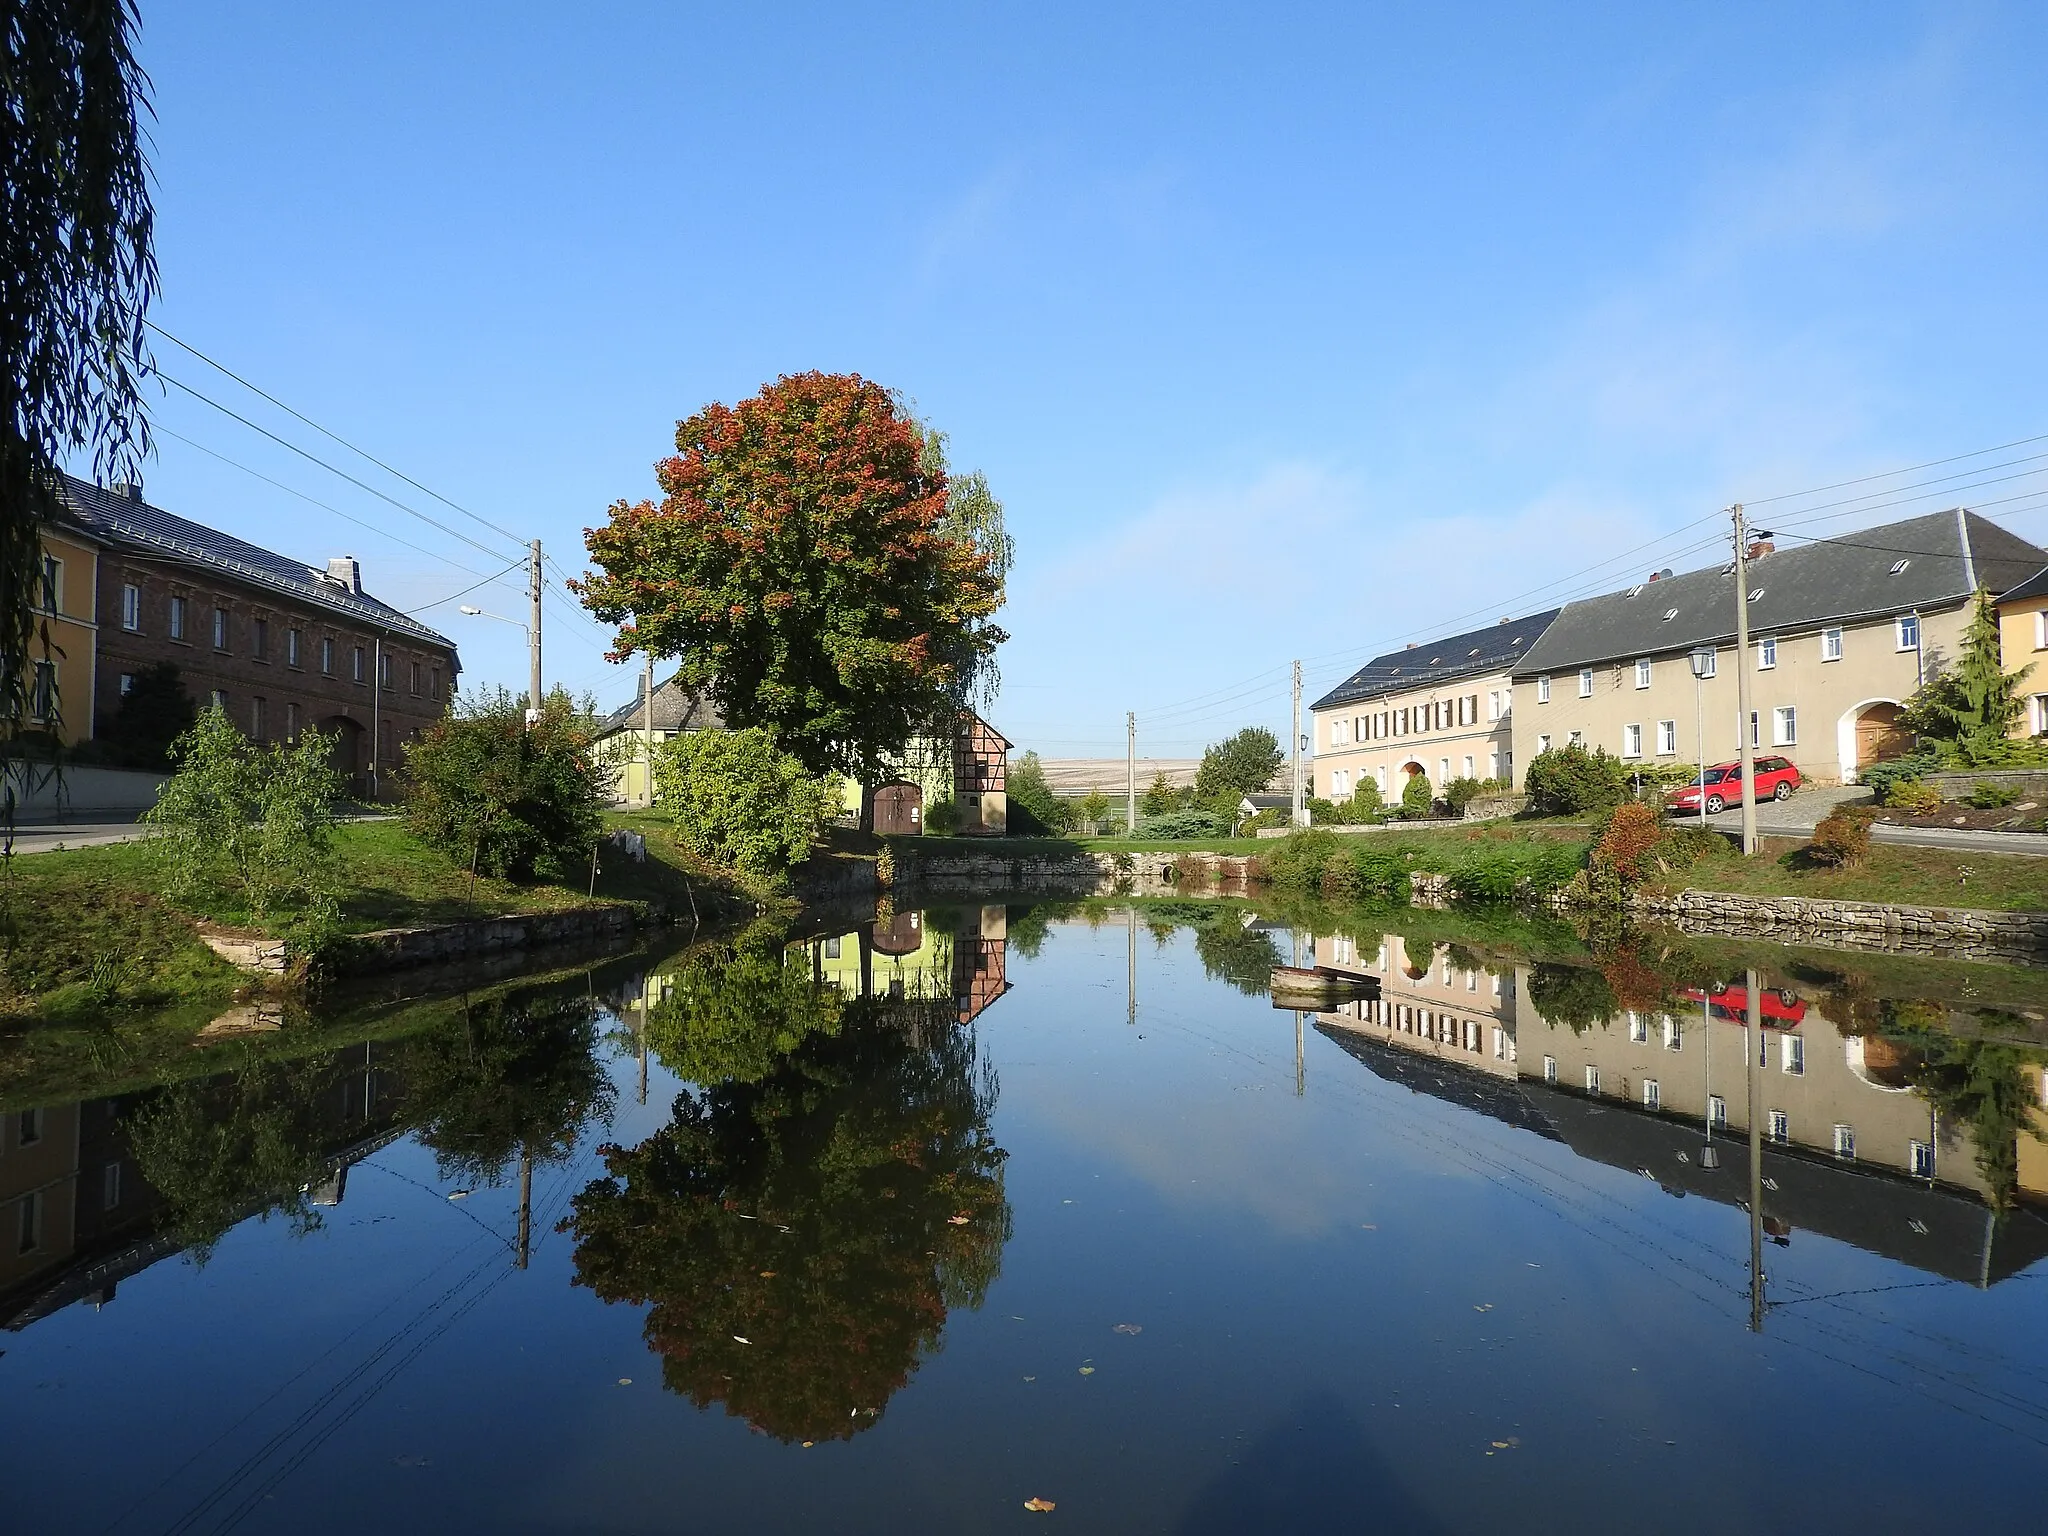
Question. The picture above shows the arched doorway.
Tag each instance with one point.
(899, 807)
(345, 751)
(1870, 732)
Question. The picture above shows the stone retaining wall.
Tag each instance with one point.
(1947, 931)
(2027, 783)
(390, 948)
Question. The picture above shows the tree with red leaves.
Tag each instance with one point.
(801, 568)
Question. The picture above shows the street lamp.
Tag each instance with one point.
(533, 704)
(1702, 663)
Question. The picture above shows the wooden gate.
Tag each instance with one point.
(899, 808)
(1878, 736)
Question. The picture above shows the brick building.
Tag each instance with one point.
(281, 645)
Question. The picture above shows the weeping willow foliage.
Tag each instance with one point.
(975, 518)
(76, 274)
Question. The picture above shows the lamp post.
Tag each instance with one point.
(532, 704)
(1702, 663)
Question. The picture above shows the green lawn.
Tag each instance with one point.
(1917, 877)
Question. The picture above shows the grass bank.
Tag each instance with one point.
(1894, 875)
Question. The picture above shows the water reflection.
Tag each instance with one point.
(829, 1189)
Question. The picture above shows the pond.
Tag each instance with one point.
(905, 1223)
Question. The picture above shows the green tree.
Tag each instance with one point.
(154, 712)
(1971, 707)
(1417, 800)
(1090, 810)
(974, 519)
(1162, 798)
(798, 1239)
(1570, 781)
(1237, 766)
(739, 802)
(502, 796)
(251, 821)
(1578, 997)
(801, 567)
(1026, 786)
(75, 245)
(734, 1012)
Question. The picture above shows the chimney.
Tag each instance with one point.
(347, 571)
(1409, 646)
(1761, 547)
(1504, 619)
(127, 490)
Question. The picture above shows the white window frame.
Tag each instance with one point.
(1585, 682)
(1667, 738)
(1713, 661)
(46, 699)
(1766, 652)
(1906, 632)
(1920, 1159)
(1831, 643)
(1653, 1094)
(1674, 1033)
(178, 609)
(131, 608)
(1592, 1079)
(1632, 740)
(1543, 682)
(1642, 671)
(1638, 1027)
(1471, 766)
(1542, 744)
(1779, 1126)
(1785, 725)
(1792, 1055)
(1717, 1111)
(2041, 629)
(1550, 1070)
(1845, 1142)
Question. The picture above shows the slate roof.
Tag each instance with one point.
(118, 519)
(1441, 661)
(1444, 1078)
(2035, 585)
(677, 707)
(1946, 556)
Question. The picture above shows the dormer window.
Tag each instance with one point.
(1759, 592)
(1899, 567)
(1670, 614)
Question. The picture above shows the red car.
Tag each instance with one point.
(1776, 778)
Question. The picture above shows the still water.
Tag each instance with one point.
(900, 1227)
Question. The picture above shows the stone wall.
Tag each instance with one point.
(390, 948)
(1954, 932)
(2027, 783)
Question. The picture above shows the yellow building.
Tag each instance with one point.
(2023, 642)
(61, 680)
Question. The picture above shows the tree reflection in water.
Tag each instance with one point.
(799, 1232)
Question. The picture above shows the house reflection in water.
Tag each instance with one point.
(950, 962)
(1852, 1150)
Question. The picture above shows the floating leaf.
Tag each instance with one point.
(625, 1381)
(1087, 1370)
(1128, 1328)
(1040, 1506)
(738, 1340)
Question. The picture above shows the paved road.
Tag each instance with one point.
(47, 837)
(1798, 816)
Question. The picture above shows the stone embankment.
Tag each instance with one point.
(1081, 872)
(1958, 933)
(388, 949)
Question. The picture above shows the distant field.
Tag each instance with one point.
(1078, 775)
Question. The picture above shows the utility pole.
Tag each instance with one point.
(1745, 753)
(1752, 1043)
(533, 584)
(1300, 817)
(1131, 955)
(1130, 773)
(376, 715)
(647, 684)
(525, 1205)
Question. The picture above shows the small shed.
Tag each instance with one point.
(899, 808)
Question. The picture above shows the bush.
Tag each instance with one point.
(739, 802)
(1177, 826)
(1299, 861)
(155, 711)
(1460, 793)
(1884, 778)
(1417, 801)
(1913, 796)
(1162, 797)
(1685, 844)
(1502, 872)
(1991, 795)
(942, 818)
(1631, 835)
(1842, 840)
(1365, 874)
(1570, 781)
(251, 820)
(1089, 811)
(503, 797)
(1026, 786)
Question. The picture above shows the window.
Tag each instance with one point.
(1717, 1112)
(257, 710)
(1470, 766)
(1542, 744)
(1674, 1034)
(1845, 1141)
(110, 1186)
(1543, 683)
(1550, 1070)
(2041, 630)
(1631, 741)
(291, 648)
(1920, 1159)
(291, 721)
(131, 608)
(384, 670)
(1754, 739)
(220, 697)
(1831, 645)
(1493, 764)
(1642, 671)
(127, 684)
(1767, 653)
(1780, 1126)
(1667, 738)
(1592, 1079)
(1908, 627)
(1443, 770)
(1638, 1027)
(1500, 1044)
(177, 618)
(1585, 682)
(1493, 705)
(1336, 733)
(28, 1129)
(1792, 1050)
(220, 629)
(359, 670)
(327, 655)
(43, 692)
(1653, 1096)
(1575, 739)
(259, 639)
(1784, 726)
(31, 1230)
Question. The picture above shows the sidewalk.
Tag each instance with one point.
(1798, 816)
(44, 835)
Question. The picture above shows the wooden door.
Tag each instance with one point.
(899, 809)
(1878, 736)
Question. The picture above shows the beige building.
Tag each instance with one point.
(1444, 709)
(2023, 642)
(1427, 1004)
(1842, 631)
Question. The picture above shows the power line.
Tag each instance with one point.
(1893, 474)
(324, 432)
(439, 601)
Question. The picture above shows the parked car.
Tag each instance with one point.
(1776, 778)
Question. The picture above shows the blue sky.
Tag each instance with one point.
(1281, 331)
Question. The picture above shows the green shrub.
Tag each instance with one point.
(1366, 874)
(1991, 795)
(1460, 793)
(1089, 811)
(1686, 843)
(1842, 840)
(1883, 778)
(1913, 796)
(504, 797)
(1503, 872)
(1026, 786)
(1576, 997)
(1178, 826)
(1367, 804)
(1299, 861)
(739, 802)
(1417, 800)
(1570, 781)
(942, 818)
(250, 820)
